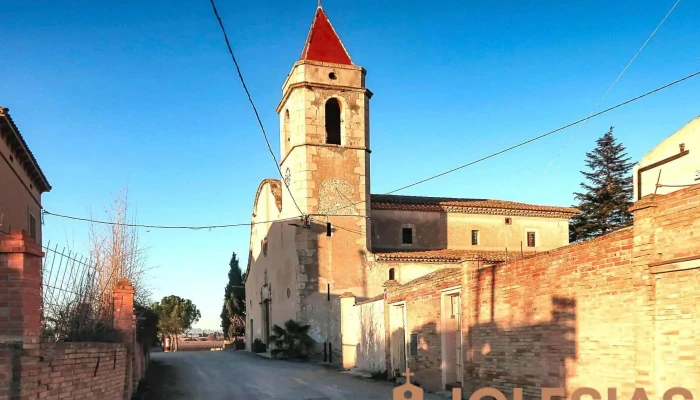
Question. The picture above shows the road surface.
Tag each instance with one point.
(233, 375)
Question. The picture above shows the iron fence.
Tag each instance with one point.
(77, 302)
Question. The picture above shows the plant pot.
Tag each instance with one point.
(259, 347)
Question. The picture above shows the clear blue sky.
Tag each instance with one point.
(144, 94)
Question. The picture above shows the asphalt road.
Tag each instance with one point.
(233, 375)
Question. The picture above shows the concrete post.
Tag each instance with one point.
(388, 289)
(124, 323)
(20, 289)
(348, 338)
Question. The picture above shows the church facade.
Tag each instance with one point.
(319, 233)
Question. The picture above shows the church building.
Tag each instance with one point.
(319, 233)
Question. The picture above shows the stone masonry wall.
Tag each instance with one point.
(326, 179)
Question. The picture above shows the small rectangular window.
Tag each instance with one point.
(531, 239)
(407, 234)
(414, 344)
(32, 226)
(509, 221)
(475, 238)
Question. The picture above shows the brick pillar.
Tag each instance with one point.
(20, 289)
(469, 268)
(644, 211)
(124, 323)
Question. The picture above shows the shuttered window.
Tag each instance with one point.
(531, 239)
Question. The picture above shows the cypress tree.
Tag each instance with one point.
(607, 193)
(234, 292)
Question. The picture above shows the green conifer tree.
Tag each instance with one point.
(234, 294)
(607, 192)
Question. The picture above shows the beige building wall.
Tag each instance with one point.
(18, 195)
(670, 165)
(364, 334)
(495, 234)
(378, 273)
(275, 265)
(439, 230)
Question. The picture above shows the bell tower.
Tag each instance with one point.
(324, 158)
(324, 132)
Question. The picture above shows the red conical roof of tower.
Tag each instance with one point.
(323, 44)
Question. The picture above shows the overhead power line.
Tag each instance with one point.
(666, 86)
(550, 132)
(573, 134)
(403, 187)
(250, 99)
(166, 226)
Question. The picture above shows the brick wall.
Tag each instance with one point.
(5, 371)
(422, 299)
(30, 369)
(620, 311)
(74, 371)
(615, 312)
(529, 321)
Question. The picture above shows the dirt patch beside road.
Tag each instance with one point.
(159, 383)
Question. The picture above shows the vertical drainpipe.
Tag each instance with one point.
(329, 309)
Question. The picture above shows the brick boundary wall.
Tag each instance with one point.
(5, 371)
(621, 311)
(75, 371)
(30, 369)
(423, 302)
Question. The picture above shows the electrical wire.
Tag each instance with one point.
(250, 99)
(167, 226)
(403, 187)
(610, 88)
(666, 86)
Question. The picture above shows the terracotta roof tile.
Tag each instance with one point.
(371, 300)
(479, 206)
(442, 273)
(447, 255)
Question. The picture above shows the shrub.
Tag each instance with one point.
(293, 339)
(82, 322)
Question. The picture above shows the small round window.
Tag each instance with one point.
(333, 76)
(289, 292)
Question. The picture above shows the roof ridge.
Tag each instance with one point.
(38, 175)
(430, 201)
